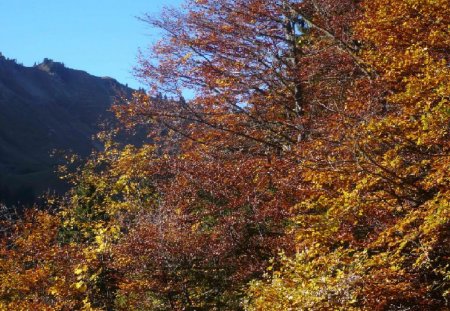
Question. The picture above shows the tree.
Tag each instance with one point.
(308, 169)
(36, 271)
(267, 79)
(381, 214)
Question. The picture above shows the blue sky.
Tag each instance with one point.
(101, 37)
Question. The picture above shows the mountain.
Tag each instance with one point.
(45, 108)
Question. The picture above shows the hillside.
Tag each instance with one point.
(45, 108)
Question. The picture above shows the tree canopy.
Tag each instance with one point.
(308, 169)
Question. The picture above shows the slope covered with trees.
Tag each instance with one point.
(309, 170)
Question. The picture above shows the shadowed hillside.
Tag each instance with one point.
(44, 108)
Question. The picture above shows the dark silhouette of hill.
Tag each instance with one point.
(44, 108)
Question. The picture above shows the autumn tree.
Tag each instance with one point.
(36, 271)
(376, 235)
(307, 169)
(266, 78)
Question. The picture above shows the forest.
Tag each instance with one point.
(300, 161)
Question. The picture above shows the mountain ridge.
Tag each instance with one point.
(44, 108)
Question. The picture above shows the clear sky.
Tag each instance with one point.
(101, 37)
